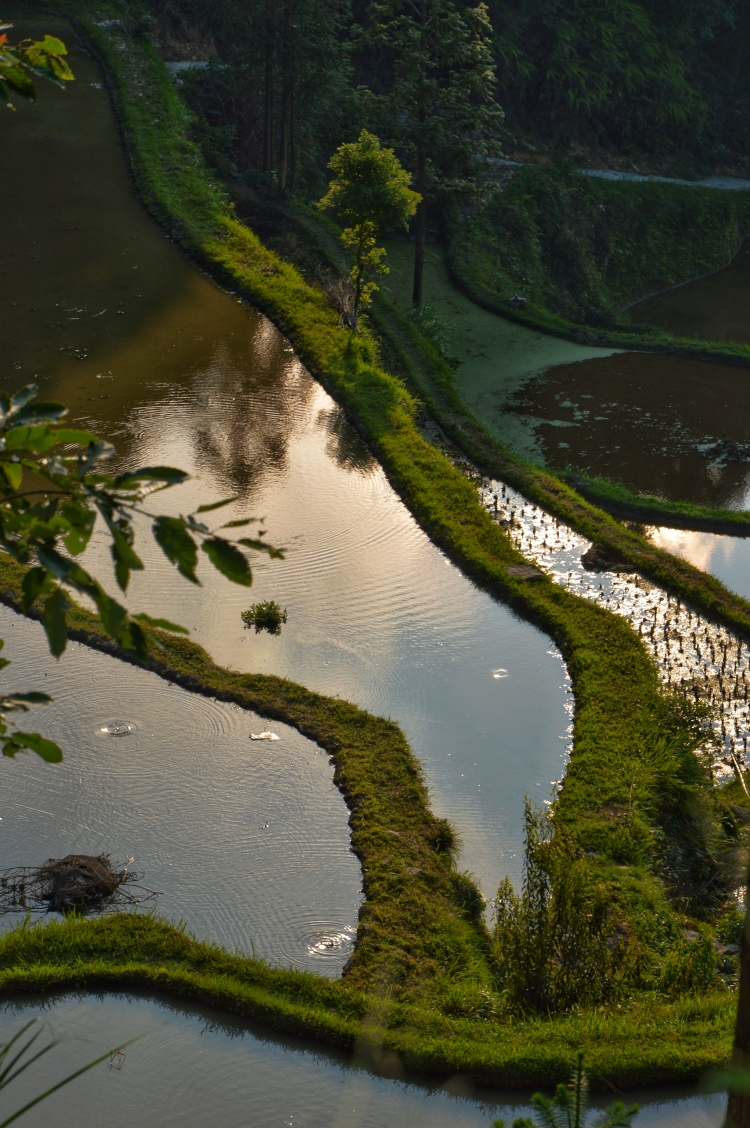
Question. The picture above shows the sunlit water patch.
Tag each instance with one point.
(703, 661)
(726, 557)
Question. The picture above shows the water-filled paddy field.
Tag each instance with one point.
(195, 1065)
(643, 419)
(248, 841)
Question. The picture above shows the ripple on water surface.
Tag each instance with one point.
(247, 841)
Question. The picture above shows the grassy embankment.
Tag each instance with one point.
(420, 940)
(577, 249)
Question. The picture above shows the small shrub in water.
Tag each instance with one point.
(266, 616)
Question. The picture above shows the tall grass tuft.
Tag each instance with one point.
(557, 945)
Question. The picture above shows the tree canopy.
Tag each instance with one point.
(372, 191)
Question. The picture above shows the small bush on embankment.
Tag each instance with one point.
(576, 249)
(423, 957)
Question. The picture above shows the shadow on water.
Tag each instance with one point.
(714, 308)
(195, 1065)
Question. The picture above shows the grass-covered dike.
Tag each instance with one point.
(567, 253)
(424, 982)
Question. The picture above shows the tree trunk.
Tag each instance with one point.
(416, 295)
(268, 107)
(738, 1108)
(286, 97)
(292, 148)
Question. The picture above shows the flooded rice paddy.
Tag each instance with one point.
(195, 1066)
(157, 358)
(247, 841)
(714, 308)
(727, 558)
(695, 657)
(645, 420)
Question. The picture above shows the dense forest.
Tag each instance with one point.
(664, 80)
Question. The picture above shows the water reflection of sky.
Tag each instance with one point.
(727, 558)
(376, 613)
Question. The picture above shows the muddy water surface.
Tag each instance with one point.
(640, 418)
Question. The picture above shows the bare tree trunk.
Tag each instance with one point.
(738, 1108)
(416, 295)
(286, 96)
(268, 108)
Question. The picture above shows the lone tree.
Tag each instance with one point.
(373, 192)
(441, 105)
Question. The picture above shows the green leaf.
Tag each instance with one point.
(216, 504)
(167, 474)
(162, 624)
(32, 698)
(136, 640)
(113, 616)
(81, 520)
(20, 398)
(35, 412)
(124, 557)
(54, 620)
(19, 82)
(229, 560)
(44, 748)
(29, 438)
(239, 523)
(68, 435)
(177, 545)
(259, 546)
(53, 46)
(13, 472)
(33, 585)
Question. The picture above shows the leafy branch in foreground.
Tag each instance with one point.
(53, 485)
(12, 1064)
(568, 1108)
(44, 58)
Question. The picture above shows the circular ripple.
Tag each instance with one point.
(323, 945)
(117, 728)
